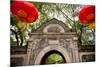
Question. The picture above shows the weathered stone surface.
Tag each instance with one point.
(54, 36)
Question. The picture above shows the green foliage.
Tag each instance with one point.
(13, 20)
(54, 58)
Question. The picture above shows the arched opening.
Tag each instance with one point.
(55, 48)
(53, 57)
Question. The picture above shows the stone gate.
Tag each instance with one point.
(53, 35)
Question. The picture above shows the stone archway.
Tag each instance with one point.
(60, 49)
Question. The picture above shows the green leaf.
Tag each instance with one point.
(13, 20)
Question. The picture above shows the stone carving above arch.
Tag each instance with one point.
(53, 28)
(52, 25)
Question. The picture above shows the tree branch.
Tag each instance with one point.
(16, 36)
(21, 37)
(64, 14)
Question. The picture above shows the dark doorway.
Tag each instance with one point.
(53, 57)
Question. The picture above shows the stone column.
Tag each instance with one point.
(75, 49)
(29, 49)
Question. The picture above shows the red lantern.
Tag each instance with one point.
(87, 14)
(24, 11)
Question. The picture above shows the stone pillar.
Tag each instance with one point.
(75, 49)
(29, 49)
(72, 50)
